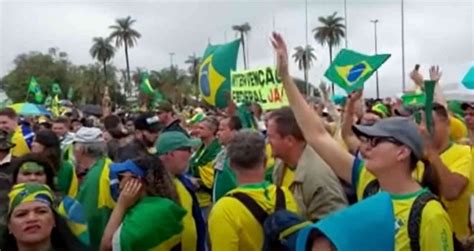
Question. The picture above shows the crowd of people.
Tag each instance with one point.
(317, 175)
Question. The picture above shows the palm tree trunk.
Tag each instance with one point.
(126, 59)
(105, 71)
(330, 62)
(243, 49)
(306, 80)
(196, 79)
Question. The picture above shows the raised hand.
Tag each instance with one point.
(435, 73)
(130, 194)
(353, 97)
(416, 76)
(281, 51)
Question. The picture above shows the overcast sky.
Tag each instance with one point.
(436, 32)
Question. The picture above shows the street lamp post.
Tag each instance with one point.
(171, 59)
(375, 21)
(403, 45)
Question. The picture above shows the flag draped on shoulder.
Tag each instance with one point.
(350, 69)
(34, 88)
(215, 70)
(145, 85)
(163, 234)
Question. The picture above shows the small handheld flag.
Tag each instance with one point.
(56, 89)
(215, 70)
(145, 85)
(351, 69)
(35, 89)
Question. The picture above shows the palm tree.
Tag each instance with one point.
(194, 63)
(103, 51)
(126, 36)
(243, 30)
(304, 58)
(331, 32)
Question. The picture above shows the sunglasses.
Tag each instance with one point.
(184, 149)
(375, 141)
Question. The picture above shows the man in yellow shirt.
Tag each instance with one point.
(9, 123)
(174, 149)
(453, 163)
(232, 226)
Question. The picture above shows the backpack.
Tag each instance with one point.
(280, 227)
(414, 219)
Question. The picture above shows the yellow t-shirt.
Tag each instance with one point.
(21, 148)
(288, 177)
(232, 226)
(189, 234)
(458, 159)
(436, 227)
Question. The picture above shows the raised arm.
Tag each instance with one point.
(347, 134)
(435, 75)
(311, 126)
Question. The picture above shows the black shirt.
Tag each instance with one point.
(175, 127)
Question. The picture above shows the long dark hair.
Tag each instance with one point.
(62, 238)
(158, 181)
(52, 147)
(430, 178)
(36, 158)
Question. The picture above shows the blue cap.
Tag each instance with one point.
(349, 228)
(116, 169)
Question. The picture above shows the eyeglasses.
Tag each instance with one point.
(184, 149)
(375, 141)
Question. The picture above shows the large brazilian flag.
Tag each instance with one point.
(350, 69)
(214, 72)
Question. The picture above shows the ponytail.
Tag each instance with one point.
(430, 178)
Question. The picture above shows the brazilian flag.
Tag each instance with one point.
(154, 223)
(214, 72)
(350, 69)
(35, 89)
(145, 85)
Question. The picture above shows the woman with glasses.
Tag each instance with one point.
(391, 149)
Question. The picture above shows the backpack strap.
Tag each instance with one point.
(372, 188)
(280, 203)
(414, 220)
(257, 211)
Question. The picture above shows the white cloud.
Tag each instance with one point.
(436, 32)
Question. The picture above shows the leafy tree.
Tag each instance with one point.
(124, 35)
(304, 57)
(330, 33)
(193, 70)
(103, 51)
(242, 31)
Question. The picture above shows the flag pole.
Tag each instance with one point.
(345, 21)
(403, 45)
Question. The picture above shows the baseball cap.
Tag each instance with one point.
(404, 130)
(5, 141)
(165, 107)
(171, 141)
(88, 135)
(148, 122)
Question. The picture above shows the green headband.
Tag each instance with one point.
(32, 167)
(28, 192)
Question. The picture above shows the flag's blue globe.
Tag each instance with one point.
(355, 72)
(204, 80)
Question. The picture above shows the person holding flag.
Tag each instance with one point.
(21, 135)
